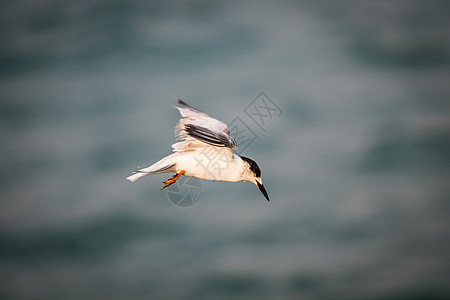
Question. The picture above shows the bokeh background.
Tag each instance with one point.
(357, 166)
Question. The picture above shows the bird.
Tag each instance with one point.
(204, 150)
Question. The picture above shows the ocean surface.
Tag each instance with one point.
(354, 152)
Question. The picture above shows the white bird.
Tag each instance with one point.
(204, 150)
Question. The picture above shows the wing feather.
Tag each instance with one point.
(196, 128)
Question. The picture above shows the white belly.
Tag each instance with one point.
(211, 165)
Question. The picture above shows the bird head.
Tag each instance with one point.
(252, 173)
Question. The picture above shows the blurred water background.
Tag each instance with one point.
(357, 167)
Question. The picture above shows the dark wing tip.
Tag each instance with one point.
(181, 102)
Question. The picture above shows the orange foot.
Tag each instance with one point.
(173, 179)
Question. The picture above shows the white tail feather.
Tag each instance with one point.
(165, 165)
(136, 176)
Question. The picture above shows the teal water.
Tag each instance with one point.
(357, 165)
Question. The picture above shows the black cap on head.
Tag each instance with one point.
(257, 171)
(253, 166)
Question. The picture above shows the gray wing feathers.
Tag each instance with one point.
(196, 128)
(213, 138)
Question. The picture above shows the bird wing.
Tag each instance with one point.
(198, 130)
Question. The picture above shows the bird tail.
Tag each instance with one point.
(153, 169)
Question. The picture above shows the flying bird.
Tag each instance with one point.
(204, 149)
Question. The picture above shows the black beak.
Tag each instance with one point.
(263, 190)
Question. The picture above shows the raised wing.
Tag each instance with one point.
(197, 129)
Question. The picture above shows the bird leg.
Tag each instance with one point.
(173, 179)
